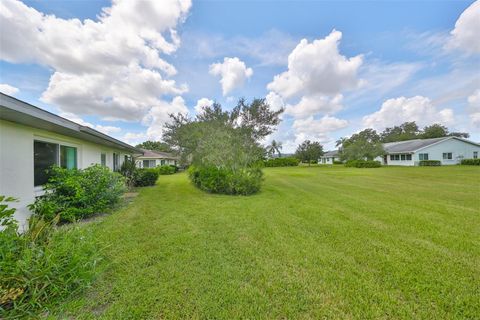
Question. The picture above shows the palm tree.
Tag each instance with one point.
(274, 147)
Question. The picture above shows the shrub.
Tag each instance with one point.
(75, 194)
(363, 164)
(129, 171)
(225, 181)
(146, 177)
(429, 163)
(167, 169)
(281, 162)
(337, 162)
(42, 266)
(471, 162)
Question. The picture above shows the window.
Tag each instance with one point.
(423, 156)
(475, 154)
(47, 154)
(409, 157)
(149, 163)
(162, 162)
(447, 156)
(103, 159)
(68, 157)
(403, 157)
(115, 161)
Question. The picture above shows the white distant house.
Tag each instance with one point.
(32, 140)
(329, 157)
(448, 150)
(151, 159)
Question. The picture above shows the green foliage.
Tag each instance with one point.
(129, 171)
(146, 177)
(274, 148)
(470, 162)
(281, 162)
(363, 145)
(225, 181)
(75, 194)
(309, 152)
(430, 163)
(7, 222)
(337, 162)
(166, 169)
(43, 265)
(155, 146)
(363, 164)
(410, 130)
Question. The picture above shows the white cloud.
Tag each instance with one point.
(474, 108)
(275, 101)
(317, 129)
(8, 89)
(317, 68)
(314, 104)
(109, 67)
(159, 115)
(105, 129)
(203, 102)
(398, 110)
(466, 33)
(233, 73)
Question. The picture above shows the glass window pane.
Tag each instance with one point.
(68, 157)
(409, 157)
(403, 157)
(146, 164)
(45, 155)
(103, 159)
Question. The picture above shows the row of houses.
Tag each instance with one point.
(32, 140)
(447, 150)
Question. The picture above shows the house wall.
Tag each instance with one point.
(459, 149)
(16, 161)
(328, 160)
(398, 162)
(158, 162)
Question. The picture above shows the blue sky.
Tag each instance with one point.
(362, 63)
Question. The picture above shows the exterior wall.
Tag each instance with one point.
(459, 149)
(399, 162)
(328, 160)
(16, 161)
(158, 161)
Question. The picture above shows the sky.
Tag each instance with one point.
(336, 67)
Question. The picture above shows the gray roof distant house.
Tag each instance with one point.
(332, 153)
(151, 154)
(411, 146)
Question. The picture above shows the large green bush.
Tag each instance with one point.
(224, 181)
(167, 169)
(74, 194)
(363, 164)
(43, 265)
(146, 177)
(281, 162)
(470, 162)
(430, 163)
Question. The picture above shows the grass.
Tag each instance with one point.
(319, 242)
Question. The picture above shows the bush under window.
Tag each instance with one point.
(146, 177)
(430, 163)
(363, 164)
(471, 162)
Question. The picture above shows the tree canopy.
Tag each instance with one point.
(410, 130)
(155, 146)
(363, 145)
(274, 147)
(308, 151)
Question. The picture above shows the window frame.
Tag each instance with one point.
(475, 154)
(421, 156)
(103, 159)
(58, 160)
(447, 155)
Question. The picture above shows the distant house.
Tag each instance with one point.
(448, 150)
(329, 156)
(151, 159)
(32, 140)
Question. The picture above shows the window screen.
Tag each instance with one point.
(45, 155)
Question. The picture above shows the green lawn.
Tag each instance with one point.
(319, 242)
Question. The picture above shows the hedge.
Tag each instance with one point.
(167, 169)
(281, 162)
(363, 164)
(430, 163)
(146, 177)
(471, 162)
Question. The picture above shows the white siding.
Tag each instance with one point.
(327, 160)
(459, 149)
(158, 161)
(16, 161)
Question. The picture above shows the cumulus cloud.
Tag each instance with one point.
(474, 108)
(203, 102)
(398, 110)
(466, 33)
(317, 68)
(110, 67)
(275, 101)
(233, 72)
(313, 104)
(317, 129)
(8, 89)
(105, 129)
(157, 116)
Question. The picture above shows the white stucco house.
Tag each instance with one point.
(328, 157)
(151, 159)
(32, 140)
(448, 150)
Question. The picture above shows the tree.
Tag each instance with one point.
(437, 131)
(222, 139)
(363, 145)
(406, 131)
(155, 146)
(308, 151)
(274, 147)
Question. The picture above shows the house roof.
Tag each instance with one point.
(21, 112)
(332, 153)
(410, 146)
(152, 154)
